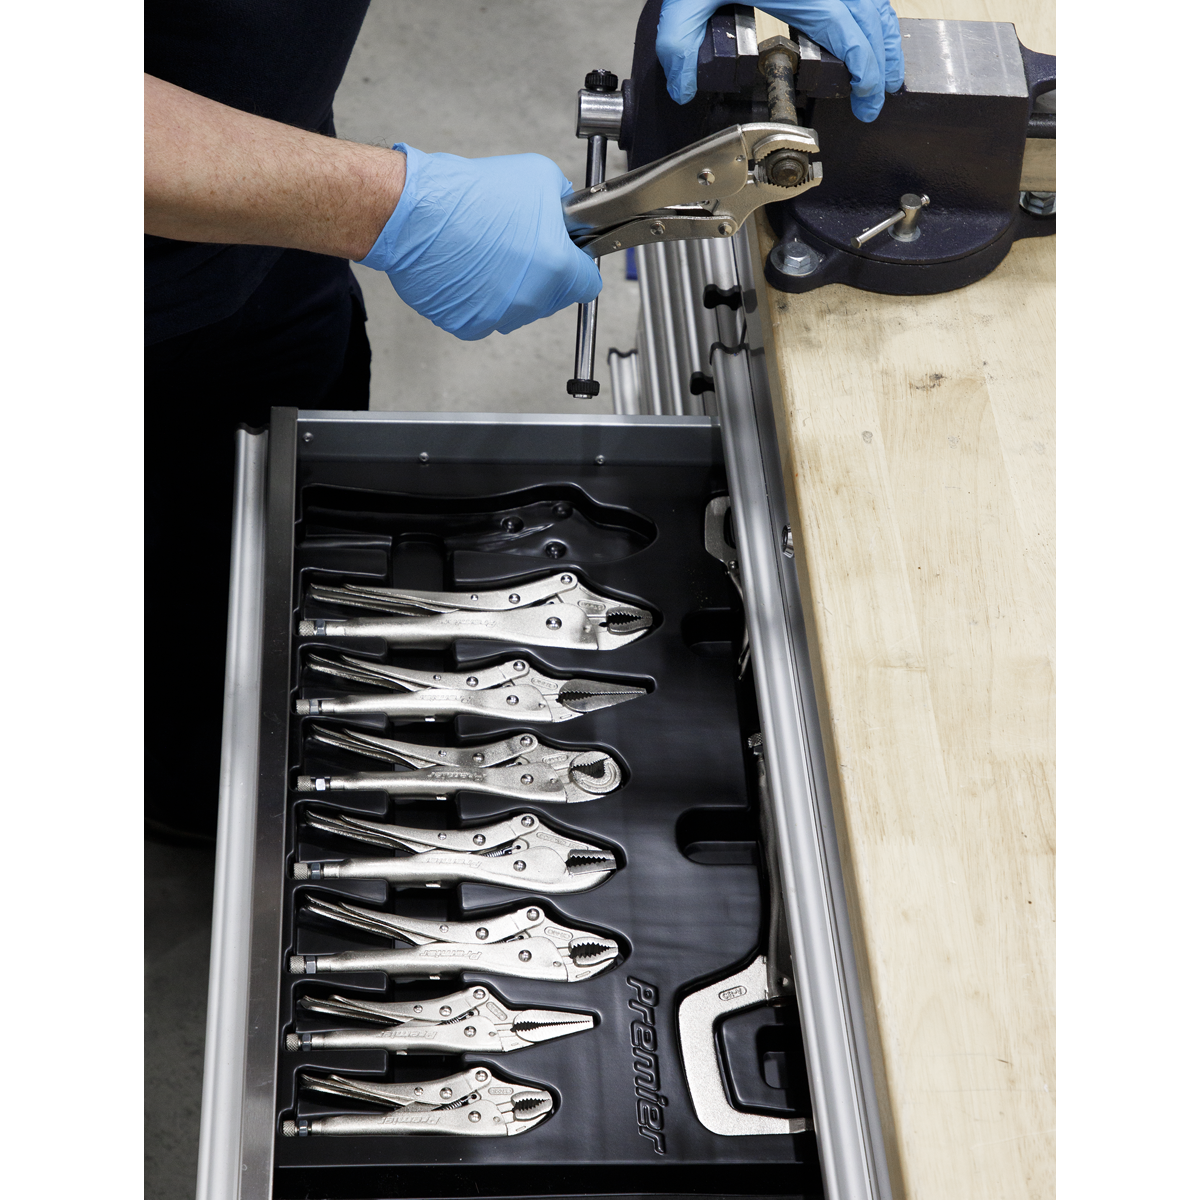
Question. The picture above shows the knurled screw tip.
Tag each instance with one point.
(289, 1129)
(296, 964)
(300, 871)
(293, 1041)
(601, 80)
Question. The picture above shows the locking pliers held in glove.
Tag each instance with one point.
(473, 1103)
(471, 1020)
(524, 943)
(518, 852)
(705, 190)
(518, 768)
(556, 610)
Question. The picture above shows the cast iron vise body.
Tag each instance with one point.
(972, 129)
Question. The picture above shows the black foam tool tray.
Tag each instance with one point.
(686, 905)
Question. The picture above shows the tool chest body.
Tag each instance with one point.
(455, 503)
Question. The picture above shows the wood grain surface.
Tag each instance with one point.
(919, 436)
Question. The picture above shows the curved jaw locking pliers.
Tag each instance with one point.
(705, 190)
(519, 768)
(523, 944)
(518, 852)
(556, 610)
(473, 1103)
(511, 691)
(471, 1020)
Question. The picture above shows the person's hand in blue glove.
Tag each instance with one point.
(480, 244)
(864, 34)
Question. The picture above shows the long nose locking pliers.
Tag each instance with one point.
(705, 190)
(524, 944)
(519, 768)
(556, 610)
(470, 1020)
(473, 1103)
(518, 852)
(512, 691)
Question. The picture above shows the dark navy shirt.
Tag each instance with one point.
(281, 59)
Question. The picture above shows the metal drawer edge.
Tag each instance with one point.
(845, 1107)
(220, 1161)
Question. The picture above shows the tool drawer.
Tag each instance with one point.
(505, 882)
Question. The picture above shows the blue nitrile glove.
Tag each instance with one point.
(864, 34)
(479, 244)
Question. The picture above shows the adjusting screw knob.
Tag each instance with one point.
(601, 80)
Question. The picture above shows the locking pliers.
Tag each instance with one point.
(512, 691)
(556, 610)
(519, 768)
(473, 1103)
(473, 1019)
(518, 852)
(524, 944)
(705, 190)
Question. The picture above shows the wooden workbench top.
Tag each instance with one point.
(920, 432)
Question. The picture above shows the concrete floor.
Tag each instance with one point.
(516, 95)
(527, 59)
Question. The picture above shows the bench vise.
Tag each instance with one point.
(926, 198)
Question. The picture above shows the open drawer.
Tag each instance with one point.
(695, 1066)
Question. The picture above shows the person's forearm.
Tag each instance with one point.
(215, 174)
